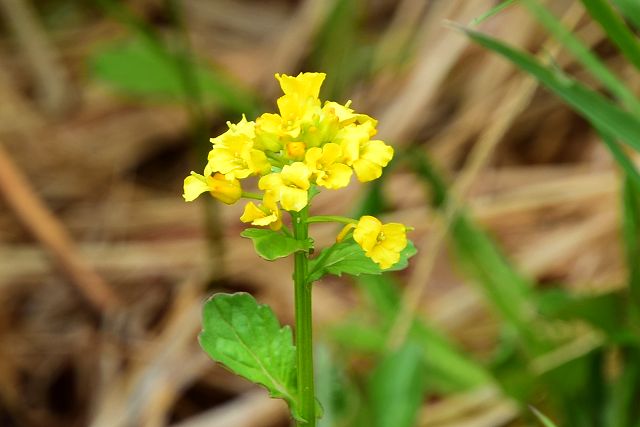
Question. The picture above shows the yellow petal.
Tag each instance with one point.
(194, 185)
(336, 176)
(291, 108)
(269, 182)
(351, 138)
(243, 127)
(395, 236)
(312, 157)
(331, 152)
(366, 232)
(346, 115)
(303, 85)
(225, 189)
(262, 216)
(296, 174)
(257, 163)
(251, 213)
(384, 257)
(367, 170)
(293, 199)
(377, 151)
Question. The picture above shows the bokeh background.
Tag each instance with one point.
(516, 297)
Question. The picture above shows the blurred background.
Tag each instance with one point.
(526, 229)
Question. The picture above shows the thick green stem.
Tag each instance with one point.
(304, 333)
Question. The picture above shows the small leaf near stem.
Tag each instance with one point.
(347, 257)
(272, 245)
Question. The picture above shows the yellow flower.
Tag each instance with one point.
(325, 166)
(304, 85)
(238, 162)
(366, 156)
(272, 131)
(380, 242)
(222, 188)
(289, 187)
(233, 153)
(321, 127)
(300, 101)
(346, 115)
(265, 214)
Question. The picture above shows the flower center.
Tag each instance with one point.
(296, 150)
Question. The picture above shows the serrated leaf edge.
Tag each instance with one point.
(279, 387)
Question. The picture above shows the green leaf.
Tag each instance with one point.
(631, 234)
(141, 67)
(505, 288)
(272, 245)
(396, 387)
(601, 112)
(630, 9)
(623, 160)
(348, 257)
(247, 338)
(621, 407)
(493, 11)
(543, 419)
(583, 54)
(602, 12)
(604, 311)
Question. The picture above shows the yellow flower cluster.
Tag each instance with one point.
(308, 143)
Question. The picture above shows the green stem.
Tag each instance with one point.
(304, 333)
(249, 195)
(331, 218)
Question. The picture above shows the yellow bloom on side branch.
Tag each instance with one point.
(227, 190)
(381, 242)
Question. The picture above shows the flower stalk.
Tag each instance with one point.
(304, 326)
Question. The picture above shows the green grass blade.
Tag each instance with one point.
(492, 12)
(630, 9)
(621, 404)
(616, 29)
(396, 387)
(584, 55)
(507, 291)
(339, 398)
(631, 229)
(601, 112)
(621, 158)
(546, 422)
(449, 369)
(504, 287)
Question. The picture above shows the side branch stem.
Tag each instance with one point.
(331, 218)
(304, 333)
